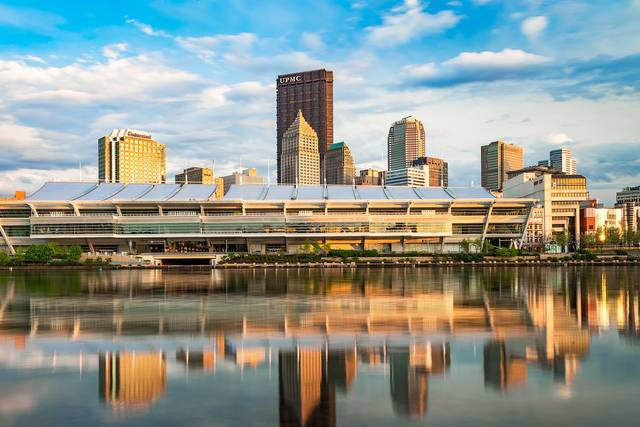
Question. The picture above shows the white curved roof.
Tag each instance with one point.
(84, 192)
(254, 192)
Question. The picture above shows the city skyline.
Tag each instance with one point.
(202, 91)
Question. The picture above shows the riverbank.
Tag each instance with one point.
(408, 263)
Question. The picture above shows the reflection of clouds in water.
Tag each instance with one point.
(15, 402)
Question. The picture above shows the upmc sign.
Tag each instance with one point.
(291, 79)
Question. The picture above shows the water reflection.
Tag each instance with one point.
(322, 335)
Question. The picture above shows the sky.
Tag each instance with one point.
(200, 77)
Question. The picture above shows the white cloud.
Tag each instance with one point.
(533, 26)
(408, 22)
(559, 138)
(312, 41)
(207, 47)
(421, 71)
(31, 58)
(113, 51)
(146, 28)
(505, 59)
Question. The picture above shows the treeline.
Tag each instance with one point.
(48, 254)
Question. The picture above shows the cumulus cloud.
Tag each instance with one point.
(146, 28)
(113, 51)
(312, 41)
(559, 138)
(206, 47)
(534, 26)
(408, 22)
(470, 67)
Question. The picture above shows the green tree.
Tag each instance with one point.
(613, 236)
(465, 245)
(5, 259)
(39, 254)
(588, 239)
(562, 239)
(74, 253)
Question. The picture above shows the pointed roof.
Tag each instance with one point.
(300, 125)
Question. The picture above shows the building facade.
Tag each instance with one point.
(496, 159)
(596, 219)
(312, 93)
(246, 176)
(172, 222)
(370, 177)
(561, 160)
(339, 165)
(405, 143)
(413, 177)
(629, 200)
(195, 175)
(438, 170)
(300, 158)
(131, 156)
(559, 195)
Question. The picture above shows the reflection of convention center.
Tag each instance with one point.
(185, 219)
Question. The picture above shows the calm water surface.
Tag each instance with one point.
(376, 347)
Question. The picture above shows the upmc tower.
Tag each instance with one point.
(312, 93)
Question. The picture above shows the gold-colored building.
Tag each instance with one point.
(405, 143)
(496, 159)
(195, 175)
(131, 156)
(339, 165)
(300, 155)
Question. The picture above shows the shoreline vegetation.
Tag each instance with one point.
(48, 256)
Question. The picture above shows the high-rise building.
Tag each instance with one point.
(438, 170)
(370, 177)
(195, 175)
(131, 156)
(300, 159)
(312, 93)
(543, 163)
(246, 176)
(339, 165)
(417, 176)
(406, 143)
(562, 161)
(496, 159)
(559, 195)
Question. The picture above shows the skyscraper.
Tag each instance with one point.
(312, 93)
(131, 156)
(496, 160)
(339, 165)
(406, 142)
(300, 159)
(438, 170)
(562, 161)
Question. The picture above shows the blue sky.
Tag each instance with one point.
(200, 76)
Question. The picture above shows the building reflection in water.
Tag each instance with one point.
(536, 319)
(410, 368)
(132, 379)
(305, 394)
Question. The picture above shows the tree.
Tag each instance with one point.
(39, 254)
(477, 245)
(74, 253)
(562, 239)
(5, 259)
(588, 239)
(464, 246)
(613, 235)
